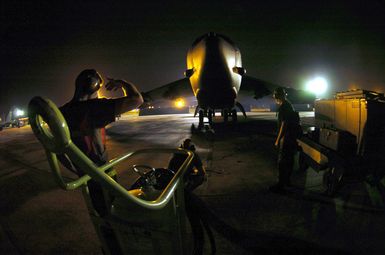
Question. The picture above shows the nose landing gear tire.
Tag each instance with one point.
(234, 115)
(201, 116)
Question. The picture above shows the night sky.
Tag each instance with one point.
(45, 45)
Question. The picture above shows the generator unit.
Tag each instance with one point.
(356, 114)
(349, 135)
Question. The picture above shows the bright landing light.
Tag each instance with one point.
(317, 85)
(179, 103)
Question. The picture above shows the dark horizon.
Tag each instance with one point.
(45, 46)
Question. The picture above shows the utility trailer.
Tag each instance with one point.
(348, 139)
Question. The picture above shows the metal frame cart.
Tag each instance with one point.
(139, 224)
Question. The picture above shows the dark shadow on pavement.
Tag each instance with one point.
(258, 242)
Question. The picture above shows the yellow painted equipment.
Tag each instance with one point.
(342, 114)
(349, 112)
(348, 138)
(142, 224)
(314, 151)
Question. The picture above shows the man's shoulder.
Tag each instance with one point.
(287, 103)
(287, 107)
(86, 103)
(66, 107)
(72, 106)
(96, 101)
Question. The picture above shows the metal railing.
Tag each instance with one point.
(50, 127)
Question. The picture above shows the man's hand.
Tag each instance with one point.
(128, 87)
(132, 97)
(113, 84)
(276, 144)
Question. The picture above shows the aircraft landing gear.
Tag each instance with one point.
(225, 115)
(201, 117)
(210, 115)
(234, 115)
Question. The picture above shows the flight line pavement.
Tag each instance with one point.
(37, 217)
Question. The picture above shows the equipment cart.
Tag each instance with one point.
(348, 139)
(149, 218)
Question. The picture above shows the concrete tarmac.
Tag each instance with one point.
(37, 217)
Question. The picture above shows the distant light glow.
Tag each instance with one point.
(19, 112)
(318, 85)
(179, 103)
(353, 86)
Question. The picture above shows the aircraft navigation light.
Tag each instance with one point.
(318, 85)
(19, 112)
(179, 103)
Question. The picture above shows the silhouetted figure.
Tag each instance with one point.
(286, 141)
(195, 175)
(87, 116)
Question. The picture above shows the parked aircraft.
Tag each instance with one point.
(215, 76)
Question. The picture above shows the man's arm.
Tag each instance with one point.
(132, 99)
(281, 132)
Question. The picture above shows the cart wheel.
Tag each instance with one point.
(332, 180)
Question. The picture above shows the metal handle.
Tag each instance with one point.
(48, 124)
(56, 140)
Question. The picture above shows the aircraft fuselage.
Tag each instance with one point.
(212, 64)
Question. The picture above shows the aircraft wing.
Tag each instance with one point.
(258, 88)
(297, 96)
(171, 91)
